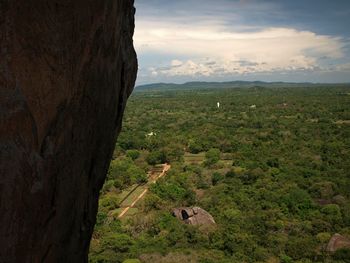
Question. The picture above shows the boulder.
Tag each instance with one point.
(336, 242)
(194, 216)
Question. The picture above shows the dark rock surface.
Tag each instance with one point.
(66, 70)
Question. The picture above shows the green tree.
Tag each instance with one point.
(137, 174)
(212, 157)
(156, 157)
(133, 154)
(216, 177)
(194, 146)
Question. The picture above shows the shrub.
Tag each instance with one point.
(212, 157)
(342, 255)
(323, 237)
(109, 202)
(298, 201)
(156, 157)
(286, 259)
(133, 154)
(116, 242)
(137, 174)
(100, 218)
(132, 261)
(194, 147)
(107, 186)
(216, 177)
(230, 174)
(273, 162)
(332, 213)
(151, 201)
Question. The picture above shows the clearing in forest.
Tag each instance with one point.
(140, 191)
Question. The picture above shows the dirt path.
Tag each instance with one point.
(166, 168)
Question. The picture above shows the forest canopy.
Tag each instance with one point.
(274, 176)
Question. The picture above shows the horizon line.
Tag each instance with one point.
(246, 81)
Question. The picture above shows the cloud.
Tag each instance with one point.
(217, 49)
(176, 63)
(187, 40)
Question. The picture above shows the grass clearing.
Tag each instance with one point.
(191, 158)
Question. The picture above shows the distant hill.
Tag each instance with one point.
(230, 84)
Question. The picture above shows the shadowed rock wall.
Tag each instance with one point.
(67, 68)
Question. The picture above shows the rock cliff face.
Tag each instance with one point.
(67, 68)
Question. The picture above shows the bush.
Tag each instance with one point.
(175, 188)
(151, 201)
(133, 154)
(323, 190)
(251, 176)
(169, 191)
(323, 237)
(107, 186)
(212, 157)
(286, 259)
(342, 255)
(156, 157)
(273, 162)
(174, 152)
(230, 174)
(298, 201)
(332, 213)
(118, 169)
(194, 147)
(132, 261)
(125, 172)
(116, 242)
(301, 247)
(100, 218)
(216, 177)
(109, 202)
(137, 175)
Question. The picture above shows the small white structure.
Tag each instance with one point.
(253, 106)
(218, 104)
(151, 134)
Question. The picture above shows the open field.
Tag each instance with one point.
(191, 158)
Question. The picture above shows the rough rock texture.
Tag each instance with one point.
(337, 242)
(194, 216)
(66, 70)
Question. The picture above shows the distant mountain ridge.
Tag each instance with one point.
(229, 84)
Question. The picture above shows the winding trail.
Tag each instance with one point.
(166, 168)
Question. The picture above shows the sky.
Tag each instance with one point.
(226, 40)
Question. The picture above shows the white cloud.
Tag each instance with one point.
(176, 63)
(216, 49)
(343, 67)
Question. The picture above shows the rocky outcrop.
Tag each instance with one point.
(66, 70)
(337, 242)
(194, 216)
